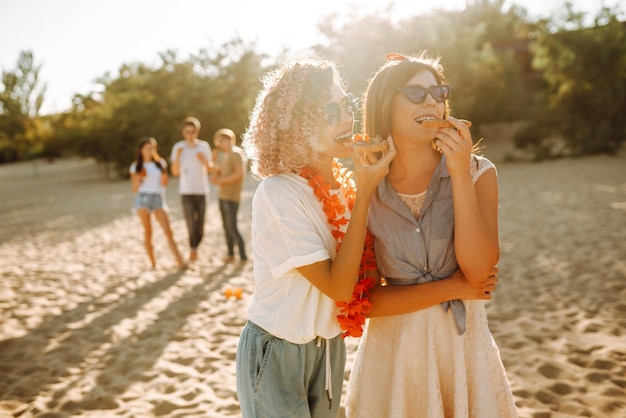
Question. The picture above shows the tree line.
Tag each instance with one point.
(564, 76)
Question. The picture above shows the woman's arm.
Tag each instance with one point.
(476, 224)
(475, 206)
(176, 162)
(397, 300)
(164, 175)
(135, 180)
(337, 278)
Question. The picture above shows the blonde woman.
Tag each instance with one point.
(434, 213)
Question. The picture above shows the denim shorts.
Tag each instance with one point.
(276, 378)
(150, 201)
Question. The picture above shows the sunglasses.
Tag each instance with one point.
(333, 109)
(417, 94)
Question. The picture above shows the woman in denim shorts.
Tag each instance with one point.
(148, 175)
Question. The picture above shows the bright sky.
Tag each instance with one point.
(78, 41)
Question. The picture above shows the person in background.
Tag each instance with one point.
(435, 213)
(148, 175)
(229, 174)
(192, 162)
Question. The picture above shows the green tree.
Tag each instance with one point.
(487, 82)
(234, 73)
(21, 132)
(218, 89)
(584, 69)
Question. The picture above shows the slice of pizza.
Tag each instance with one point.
(442, 123)
(364, 143)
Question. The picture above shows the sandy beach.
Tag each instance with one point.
(88, 330)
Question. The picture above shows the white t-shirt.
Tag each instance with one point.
(152, 181)
(290, 230)
(193, 174)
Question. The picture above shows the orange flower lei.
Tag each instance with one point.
(352, 313)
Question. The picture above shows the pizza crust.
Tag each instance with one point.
(443, 123)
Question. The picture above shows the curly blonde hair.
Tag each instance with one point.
(288, 119)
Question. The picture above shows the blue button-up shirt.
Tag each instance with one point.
(410, 250)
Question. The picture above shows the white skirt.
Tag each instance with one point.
(417, 365)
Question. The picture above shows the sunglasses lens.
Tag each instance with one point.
(350, 104)
(416, 94)
(440, 93)
(333, 112)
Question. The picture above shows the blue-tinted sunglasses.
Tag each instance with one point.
(417, 94)
(333, 110)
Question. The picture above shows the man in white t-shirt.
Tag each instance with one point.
(191, 162)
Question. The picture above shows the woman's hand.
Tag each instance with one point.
(466, 290)
(456, 145)
(369, 169)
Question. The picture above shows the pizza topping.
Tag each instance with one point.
(364, 143)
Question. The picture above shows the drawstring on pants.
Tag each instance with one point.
(328, 381)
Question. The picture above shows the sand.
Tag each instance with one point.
(87, 329)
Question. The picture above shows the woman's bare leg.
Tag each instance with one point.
(144, 216)
(163, 219)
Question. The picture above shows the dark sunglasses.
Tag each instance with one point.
(333, 110)
(417, 94)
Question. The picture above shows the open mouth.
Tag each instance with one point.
(344, 138)
(423, 118)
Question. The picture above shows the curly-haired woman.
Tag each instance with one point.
(308, 232)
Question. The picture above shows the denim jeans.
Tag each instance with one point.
(228, 210)
(276, 378)
(194, 206)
